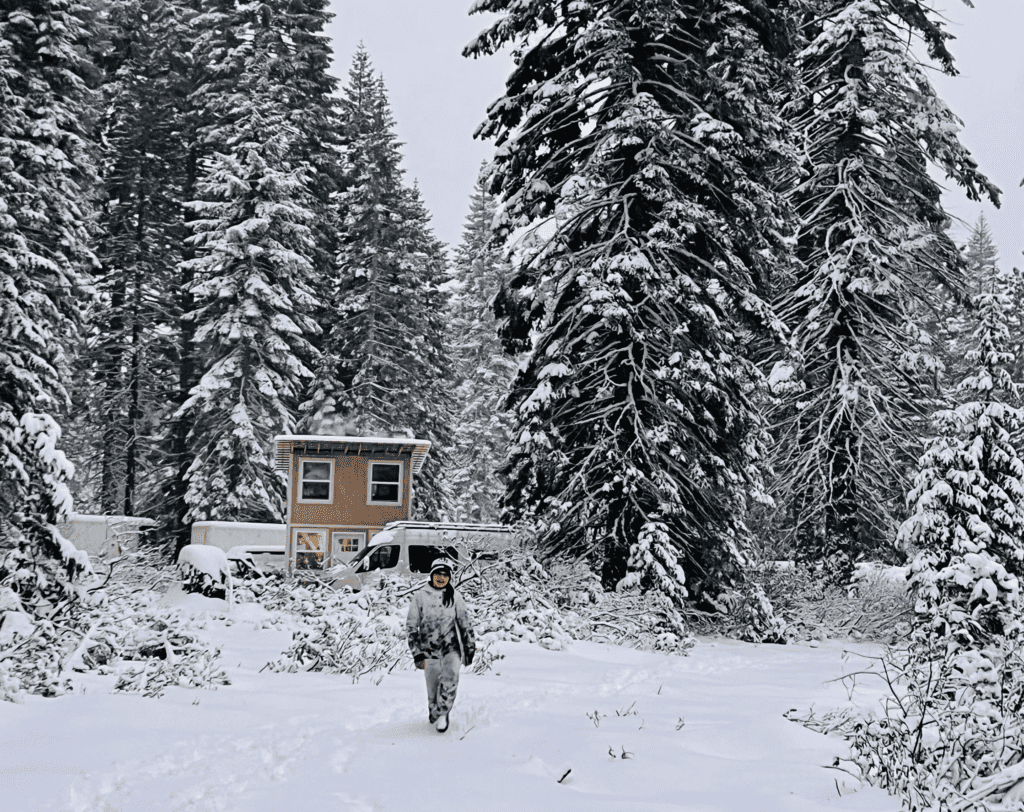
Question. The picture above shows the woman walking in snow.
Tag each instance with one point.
(441, 639)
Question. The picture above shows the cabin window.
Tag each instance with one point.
(310, 546)
(385, 483)
(316, 480)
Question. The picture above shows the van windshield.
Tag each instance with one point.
(361, 555)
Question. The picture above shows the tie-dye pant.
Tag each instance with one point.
(442, 683)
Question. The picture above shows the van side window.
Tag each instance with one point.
(382, 558)
(421, 556)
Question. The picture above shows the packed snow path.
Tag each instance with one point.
(271, 742)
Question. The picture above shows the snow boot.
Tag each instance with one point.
(442, 723)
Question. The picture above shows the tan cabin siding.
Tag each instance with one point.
(349, 509)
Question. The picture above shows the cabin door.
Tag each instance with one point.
(345, 544)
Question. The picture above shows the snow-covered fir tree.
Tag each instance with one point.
(637, 142)
(373, 173)
(252, 316)
(124, 389)
(385, 369)
(950, 737)
(310, 91)
(950, 322)
(982, 257)
(968, 520)
(483, 373)
(953, 321)
(871, 248)
(305, 93)
(45, 177)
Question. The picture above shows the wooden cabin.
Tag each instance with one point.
(343, 490)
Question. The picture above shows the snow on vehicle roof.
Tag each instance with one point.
(91, 517)
(242, 525)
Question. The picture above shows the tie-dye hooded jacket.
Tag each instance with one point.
(435, 629)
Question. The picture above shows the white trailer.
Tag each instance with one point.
(103, 536)
(266, 543)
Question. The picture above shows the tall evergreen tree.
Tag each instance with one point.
(982, 257)
(45, 177)
(952, 321)
(309, 92)
(125, 392)
(871, 244)
(983, 273)
(483, 373)
(639, 139)
(373, 174)
(253, 305)
(385, 367)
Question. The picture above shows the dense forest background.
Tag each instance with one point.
(705, 305)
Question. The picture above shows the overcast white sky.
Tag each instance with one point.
(439, 98)
(989, 96)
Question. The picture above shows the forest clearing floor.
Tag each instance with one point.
(595, 727)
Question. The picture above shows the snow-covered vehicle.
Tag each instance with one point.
(407, 548)
(249, 545)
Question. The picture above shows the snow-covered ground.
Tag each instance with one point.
(703, 733)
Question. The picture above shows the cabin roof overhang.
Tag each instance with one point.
(288, 444)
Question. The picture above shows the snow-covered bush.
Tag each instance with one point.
(949, 731)
(114, 627)
(345, 633)
(149, 647)
(515, 598)
(205, 569)
(877, 605)
(42, 575)
(512, 598)
(176, 659)
(30, 655)
(747, 613)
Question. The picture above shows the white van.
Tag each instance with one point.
(408, 548)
